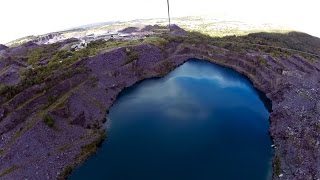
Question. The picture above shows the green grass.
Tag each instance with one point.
(34, 56)
(39, 75)
(98, 46)
(157, 41)
(44, 52)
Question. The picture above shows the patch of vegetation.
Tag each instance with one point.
(48, 120)
(66, 172)
(166, 67)
(61, 103)
(171, 38)
(63, 54)
(44, 52)
(8, 91)
(272, 37)
(98, 46)
(62, 61)
(34, 56)
(93, 81)
(95, 144)
(157, 41)
(65, 147)
(132, 55)
(3, 88)
(292, 40)
(275, 44)
(39, 75)
(91, 148)
(8, 171)
(197, 37)
(51, 100)
(262, 61)
(277, 165)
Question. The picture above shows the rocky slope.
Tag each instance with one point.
(3, 47)
(53, 109)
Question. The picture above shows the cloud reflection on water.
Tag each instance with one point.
(174, 100)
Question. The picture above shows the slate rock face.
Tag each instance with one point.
(318, 107)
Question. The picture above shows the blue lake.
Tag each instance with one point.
(200, 122)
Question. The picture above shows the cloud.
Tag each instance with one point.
(187, 111)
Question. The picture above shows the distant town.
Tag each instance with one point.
(138, 29)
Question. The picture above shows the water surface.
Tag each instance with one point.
(200, 122)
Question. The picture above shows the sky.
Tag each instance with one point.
(19, 18)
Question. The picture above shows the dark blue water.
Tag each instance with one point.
(200, 122)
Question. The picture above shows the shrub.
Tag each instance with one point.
(97, 43)
(48, 120)
(63, 54)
